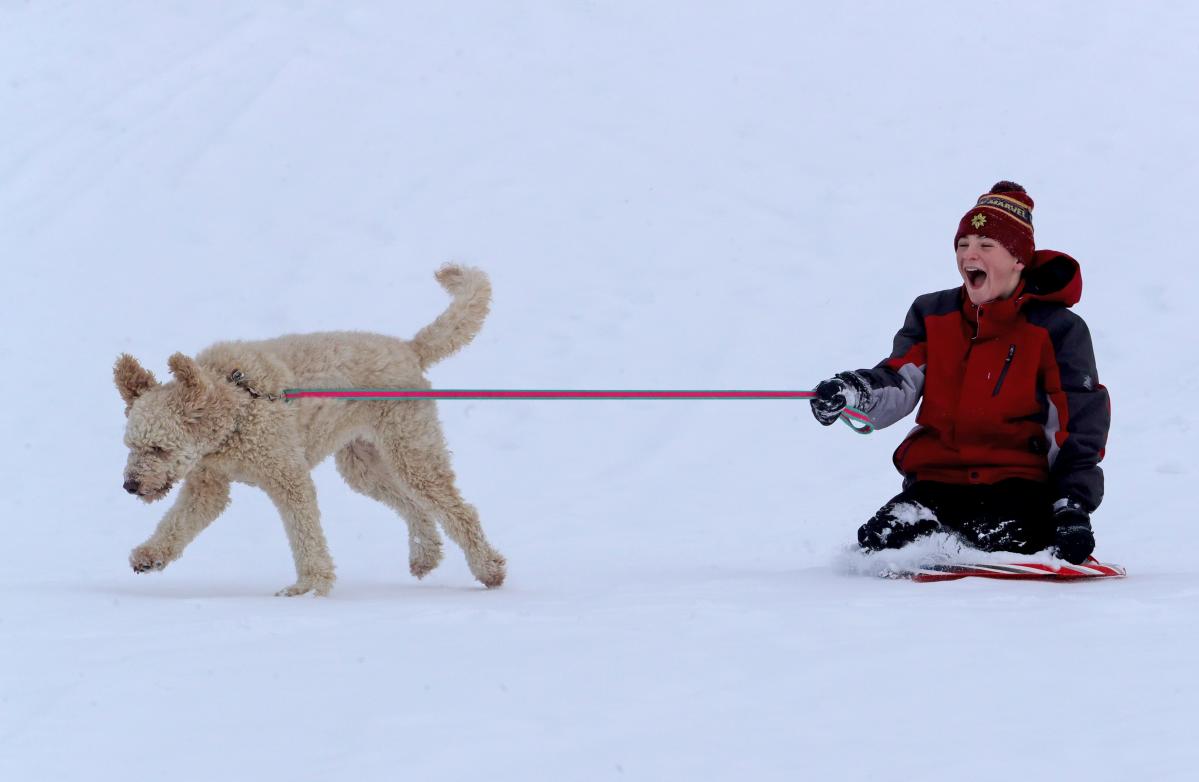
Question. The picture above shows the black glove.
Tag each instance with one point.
(847, 389)
(1073, 538)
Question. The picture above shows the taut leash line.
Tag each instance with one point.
(855, 419)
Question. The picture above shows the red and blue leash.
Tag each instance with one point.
(854, 419)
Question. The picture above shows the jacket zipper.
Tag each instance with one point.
(1007, 364)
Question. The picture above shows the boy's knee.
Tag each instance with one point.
(874, 534)
(896, 525)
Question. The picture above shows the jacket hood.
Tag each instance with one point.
(1054, 277)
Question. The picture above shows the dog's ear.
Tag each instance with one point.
(132, 379)
(189, 374)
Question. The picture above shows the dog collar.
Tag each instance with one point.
(238, 378)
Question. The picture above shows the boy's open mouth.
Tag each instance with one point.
(975, 276)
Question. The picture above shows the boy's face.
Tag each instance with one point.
(988, 269)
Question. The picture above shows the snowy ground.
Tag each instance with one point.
(666, 195)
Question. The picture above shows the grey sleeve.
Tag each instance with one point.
(1079, 412)
(898, 381)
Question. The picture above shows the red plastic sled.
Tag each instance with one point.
(1092, 568)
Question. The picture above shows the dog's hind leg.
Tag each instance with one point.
(367, 473)
(203, 497)
(417, 453)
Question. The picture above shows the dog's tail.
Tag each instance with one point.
(461, 321)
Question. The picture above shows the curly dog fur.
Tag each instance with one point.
(207, 431)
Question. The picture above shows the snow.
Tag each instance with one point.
(666, 195)
(939, 548)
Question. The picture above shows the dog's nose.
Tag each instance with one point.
(132, 486)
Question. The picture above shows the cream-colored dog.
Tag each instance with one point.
(220, 420)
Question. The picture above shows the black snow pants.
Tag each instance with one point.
(1012, 515)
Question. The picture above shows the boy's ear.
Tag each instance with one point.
(132, 379)
(188, 373)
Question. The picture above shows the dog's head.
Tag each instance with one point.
(171, 426)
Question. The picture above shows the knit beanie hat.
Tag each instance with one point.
(1005, 215)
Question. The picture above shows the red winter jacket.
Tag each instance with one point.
(1010, 388)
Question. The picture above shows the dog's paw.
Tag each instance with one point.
(422, 559)
(317, 585)
(145, 558)
(490, 570)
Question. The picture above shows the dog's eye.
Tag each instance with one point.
(154, 450)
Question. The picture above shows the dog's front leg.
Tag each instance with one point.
(291, 488)
(203, 496)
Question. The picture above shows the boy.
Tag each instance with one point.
(1014, 420)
